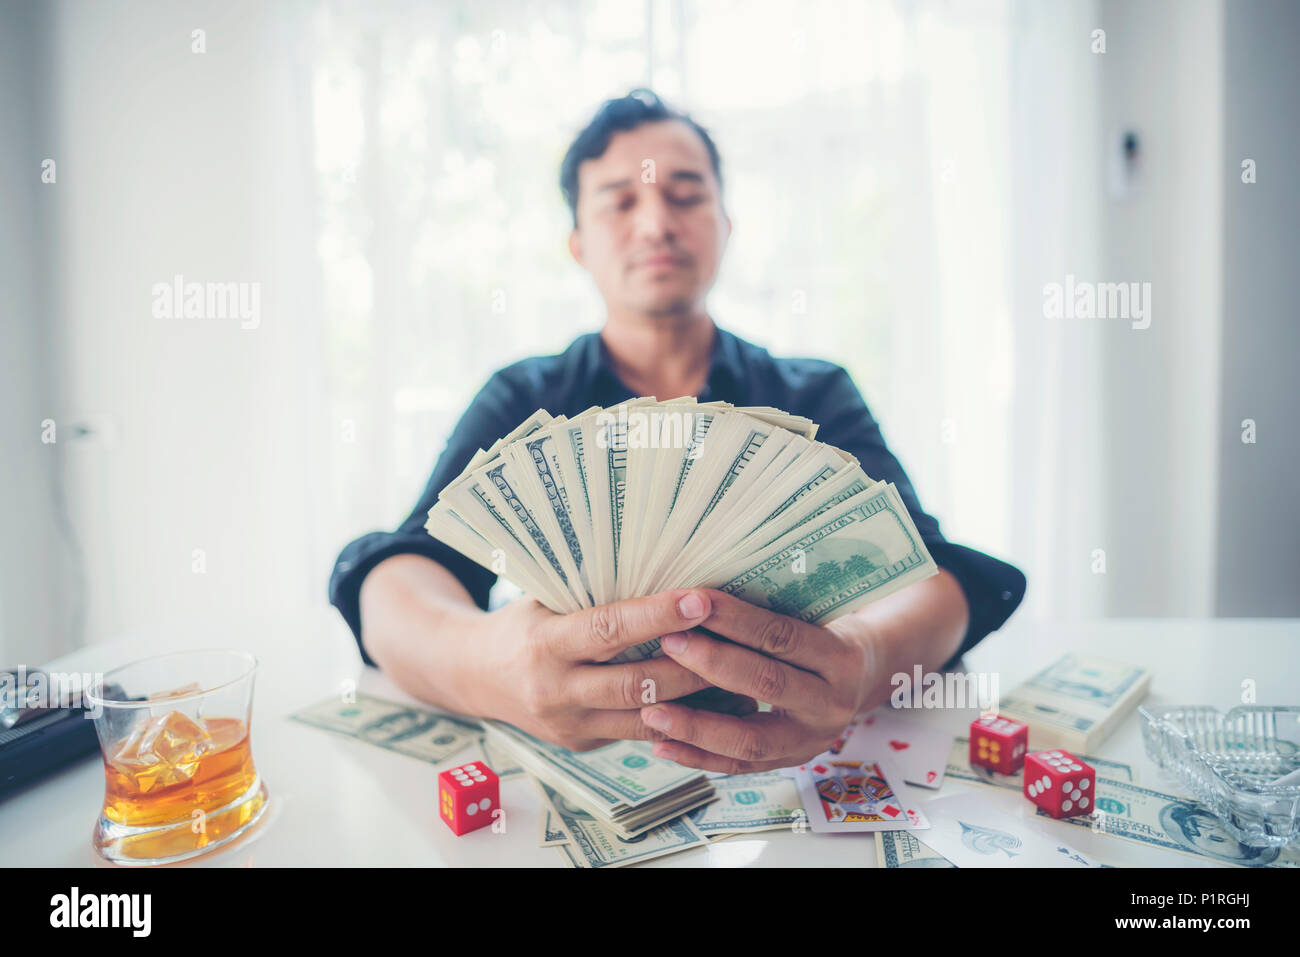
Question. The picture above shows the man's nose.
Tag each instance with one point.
(654, 218)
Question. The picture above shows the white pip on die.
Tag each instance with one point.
(1059, 783)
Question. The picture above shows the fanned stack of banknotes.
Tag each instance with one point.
(647, 496)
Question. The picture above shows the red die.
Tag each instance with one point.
(1059, 783)
(467, 796)
(998, 743)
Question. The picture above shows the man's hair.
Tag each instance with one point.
(640, 106)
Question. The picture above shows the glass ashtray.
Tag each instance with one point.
(1243, 765)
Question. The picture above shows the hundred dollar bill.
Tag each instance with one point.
(451, 528)
(552, 834)
(595, 844)
(661, 552)
(551, 831)
(1174, 823)
(476, 505)
(1076, 702)
(819, 485)
(605, 442)
(856, 553)
(349, 715)
(901, 849)
(749, 802)
(545, 495)
(571, 462)
(657, 438)
(568, 853)
(415, 732)
(528, 517)
(959, 767)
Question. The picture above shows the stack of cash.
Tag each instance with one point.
(1076, 702)
(622, 785)
(647, 496)
(764, 801)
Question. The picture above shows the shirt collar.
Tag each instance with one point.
(726, 370)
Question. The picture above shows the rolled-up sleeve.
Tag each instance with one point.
(993, 588)
(491, 414)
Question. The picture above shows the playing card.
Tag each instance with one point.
(971, 832)
(859, 795)
(920, 753)
(836, 748)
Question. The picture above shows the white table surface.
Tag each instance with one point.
(340, 802)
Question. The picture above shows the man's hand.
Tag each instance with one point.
(545, 673)
(814, 677)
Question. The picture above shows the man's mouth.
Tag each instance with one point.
(662, 262)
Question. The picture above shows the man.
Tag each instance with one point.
(653, 244)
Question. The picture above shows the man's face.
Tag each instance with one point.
(651, 230)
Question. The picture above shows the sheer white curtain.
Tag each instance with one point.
(192, 494)
(903, 177)
(1058, 461)
(900, 176)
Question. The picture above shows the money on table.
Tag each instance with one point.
(1076, 702)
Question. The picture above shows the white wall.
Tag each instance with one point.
(36, 603)
(1259, 508)
(169, 162)
(1161, 76)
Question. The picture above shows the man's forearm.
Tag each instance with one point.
(415, 618)
(919, 625)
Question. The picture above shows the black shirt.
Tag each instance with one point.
(740, 373)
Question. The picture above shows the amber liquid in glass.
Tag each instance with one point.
(172, 766)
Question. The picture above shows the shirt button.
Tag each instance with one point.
(1006, 596)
